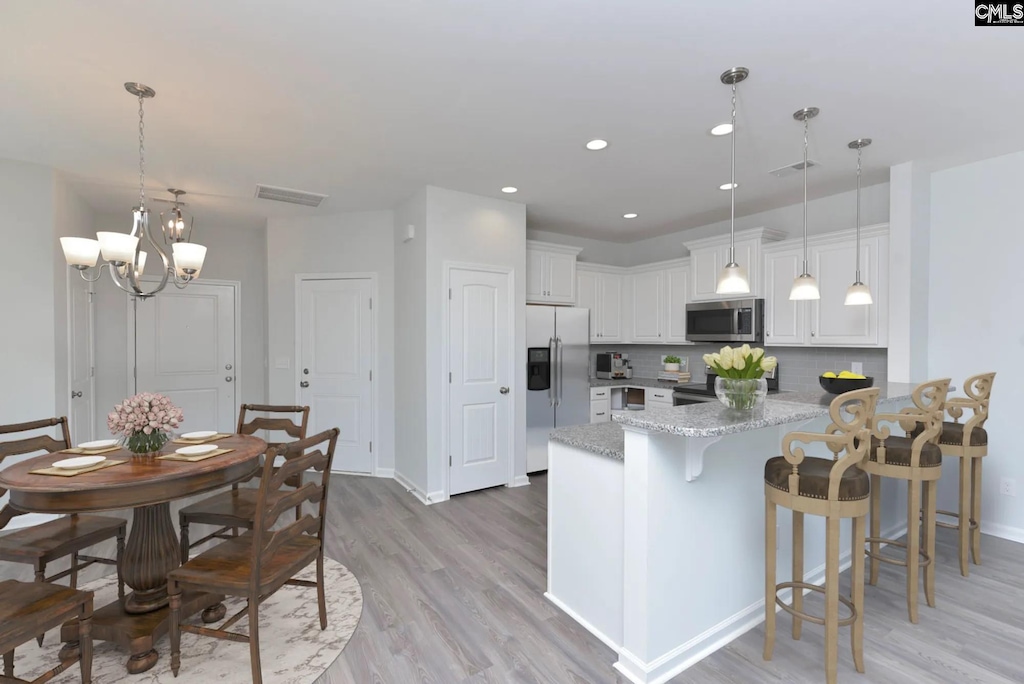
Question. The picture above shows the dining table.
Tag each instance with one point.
(147, 485)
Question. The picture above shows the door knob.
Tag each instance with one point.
(228, 378)
(504, 390)
(304, 383)
(75, 395)
(305, 371)
(227, 367)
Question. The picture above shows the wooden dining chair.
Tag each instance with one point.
(233, 510)
(26, 609)
(42, 544)
(258, 563)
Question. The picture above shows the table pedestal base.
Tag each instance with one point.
(137, 633)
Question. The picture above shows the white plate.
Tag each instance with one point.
(79, 462)
(196, 449)
(202, 434)
(98, 444)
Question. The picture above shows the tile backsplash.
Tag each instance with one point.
(799, 367)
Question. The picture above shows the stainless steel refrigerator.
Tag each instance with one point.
(557, 375)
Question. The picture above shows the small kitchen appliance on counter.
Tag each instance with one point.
(613, 366)
(699, 392)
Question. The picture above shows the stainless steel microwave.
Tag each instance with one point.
(732, 320)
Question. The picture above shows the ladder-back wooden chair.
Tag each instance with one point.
(69, 535)
(234, 509)
(258, 563)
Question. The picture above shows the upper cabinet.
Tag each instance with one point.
(550, 273)
(828, 322)
(600, 290)
(708, 256)
(646, 304)
(657, 302)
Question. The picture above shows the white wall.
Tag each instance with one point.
(909, 265)
(342, 243)
(27, 281)
(411, 365)
(974, 324)
(475, 230)
(235, 252)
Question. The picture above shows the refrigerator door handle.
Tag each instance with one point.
(558, 396)
(551, 371)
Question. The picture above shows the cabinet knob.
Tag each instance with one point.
(812, 333)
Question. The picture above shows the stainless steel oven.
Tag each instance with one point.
(731, 320)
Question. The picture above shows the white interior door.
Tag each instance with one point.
(81, 360)
(480, 336)
(185, 349)
(336, 365)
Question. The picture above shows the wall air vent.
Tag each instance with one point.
(306, 199)
(790, 169)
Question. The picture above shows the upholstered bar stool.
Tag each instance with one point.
(917, 460)
(968, 442)
(834, 488)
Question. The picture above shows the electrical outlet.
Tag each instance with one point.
(1008, 486)
(857, 367)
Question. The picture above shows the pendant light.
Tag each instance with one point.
(858, 294)
(804, 285)
(733, 278)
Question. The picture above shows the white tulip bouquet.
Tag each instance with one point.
(739, 384)
(741, 362)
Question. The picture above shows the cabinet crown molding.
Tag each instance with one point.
(874, 230)
(592, 267)
(553, 247)
(762, 234)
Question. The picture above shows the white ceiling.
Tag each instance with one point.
(366, 101)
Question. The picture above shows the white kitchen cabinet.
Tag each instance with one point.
(708, 256)
(656, 397)
(832, 323)
(601, 293)
(785, 321)
(647, 307)
(600, 405)
(677, 294)
(550, 273)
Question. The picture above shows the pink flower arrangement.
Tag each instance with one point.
(145, 413)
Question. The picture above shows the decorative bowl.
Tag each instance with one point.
(842, 385)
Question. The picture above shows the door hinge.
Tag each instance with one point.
(449, 377)
(449, 293)
(449, 460)
(371, 447)
(371, 303)
(371, 376)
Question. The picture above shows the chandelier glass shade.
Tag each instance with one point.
(122, 252)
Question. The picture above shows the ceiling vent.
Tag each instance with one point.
(306, 199)
(790, 169)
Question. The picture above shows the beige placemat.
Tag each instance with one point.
(193, 459)
(64, 472)
(219, 435)
(91, 452)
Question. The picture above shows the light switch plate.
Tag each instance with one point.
(282, 362)
(857, 367)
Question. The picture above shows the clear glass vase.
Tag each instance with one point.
(742, 394)
(141, 444)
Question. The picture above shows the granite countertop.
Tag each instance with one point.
(605, 439)
(633, 382)
(890, 391)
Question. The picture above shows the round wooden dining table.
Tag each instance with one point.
(147, 485)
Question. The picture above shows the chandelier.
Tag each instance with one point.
(122, 252)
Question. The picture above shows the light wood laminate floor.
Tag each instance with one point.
(454, 593)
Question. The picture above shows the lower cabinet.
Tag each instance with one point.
(600, 404)
(658, 398)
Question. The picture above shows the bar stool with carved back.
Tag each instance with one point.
(235, 509)
(258, 563)
(968, 442)
(917, 459)
(42, 544)
(27, 609)
(833, 488)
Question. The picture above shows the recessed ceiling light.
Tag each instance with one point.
(508, 189)
(728, 186)
(597, 144)
(630, 215)
(722, 129)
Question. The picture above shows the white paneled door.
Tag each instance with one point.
(335, 361)
(81, 343)
(185, 349)
(480, 334)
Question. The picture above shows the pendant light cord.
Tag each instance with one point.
(859, 151)
(732, 189)
(142, 157)
(806, 126)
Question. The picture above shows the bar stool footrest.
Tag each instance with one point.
(843, 622)
(902, 562)
(951, 526)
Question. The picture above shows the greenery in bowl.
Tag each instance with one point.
(673, 359)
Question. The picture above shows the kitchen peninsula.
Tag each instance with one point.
(656, 525)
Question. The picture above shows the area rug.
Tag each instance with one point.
(293, 649)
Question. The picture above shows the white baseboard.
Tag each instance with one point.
(520, 481)
(583, 623)
(1003, 531)
(385, 472)
(684, 656)
(411, 488)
